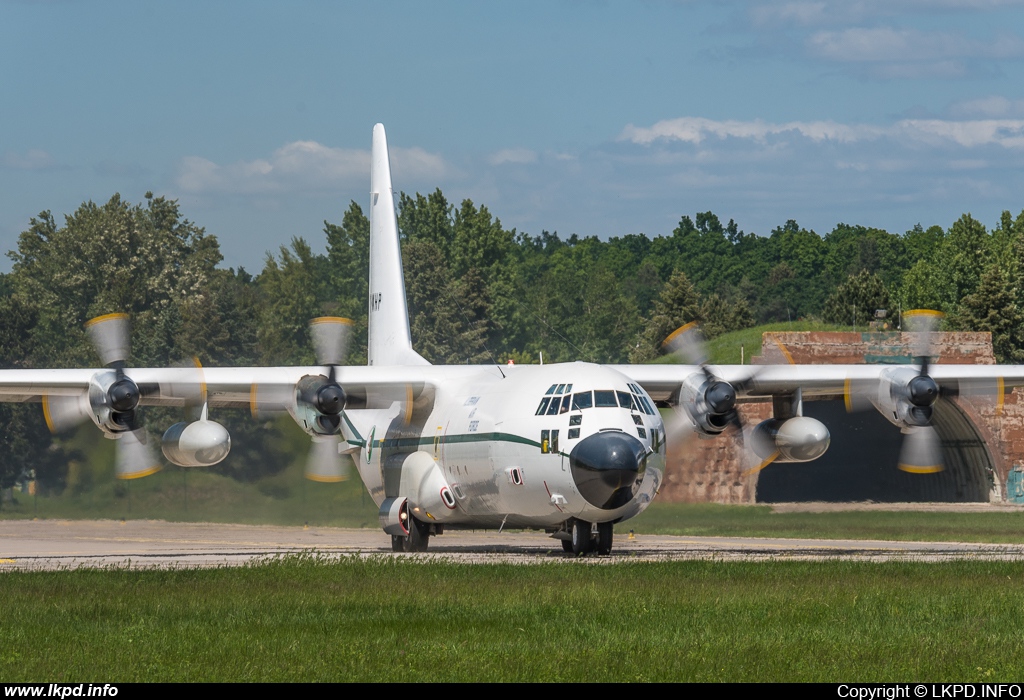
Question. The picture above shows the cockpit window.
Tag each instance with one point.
(551, 390)
(566, 400)
(568, 388)
(584, 399)
(553, 408)
(543, 406)
(560, 389)
(648, 408)
(604, 398)
(625, 400)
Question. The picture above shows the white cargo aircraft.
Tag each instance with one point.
(569, 448)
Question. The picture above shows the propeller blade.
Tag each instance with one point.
(922, 323)
(921, 452)
(269, 400)
(687, 342)
(991, 389)
(330, 339)
(65, 412)
(324, 463)
(859, 394)
(110, 336)
(134, 457)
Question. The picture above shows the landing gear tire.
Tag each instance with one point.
(566, 545)
(418, 537)
(581, 543)
(397, 543)
(604, 538)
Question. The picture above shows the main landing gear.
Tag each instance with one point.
(415, 541)
(587, 537)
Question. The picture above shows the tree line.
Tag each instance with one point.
(477, 293)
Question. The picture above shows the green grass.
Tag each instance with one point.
(709, 519)
(725, 349)
(403, 620)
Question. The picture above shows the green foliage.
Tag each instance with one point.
(855, 300)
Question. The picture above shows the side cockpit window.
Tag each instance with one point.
(542, 409)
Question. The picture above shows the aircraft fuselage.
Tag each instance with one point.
(531, 449)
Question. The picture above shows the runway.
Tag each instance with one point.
(65, 544)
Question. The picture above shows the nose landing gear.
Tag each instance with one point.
(587, 537)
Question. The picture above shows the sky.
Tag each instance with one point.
(595, 118)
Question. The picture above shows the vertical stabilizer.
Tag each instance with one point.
(389, 341)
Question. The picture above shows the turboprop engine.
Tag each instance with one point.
(796, 439)
(316, 401)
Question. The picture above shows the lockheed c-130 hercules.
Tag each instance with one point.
(569, 448)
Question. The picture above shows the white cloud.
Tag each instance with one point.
(519, 156)
(301, 165)
(32, 159)
(697, 129)
(994, 106)
(1007, 133)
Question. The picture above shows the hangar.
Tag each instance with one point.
(983, 443)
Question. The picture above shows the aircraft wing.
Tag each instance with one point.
(233, 387)
(662, 381)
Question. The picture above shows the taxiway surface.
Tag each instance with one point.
(54, 544)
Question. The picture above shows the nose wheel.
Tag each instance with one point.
(583, 538)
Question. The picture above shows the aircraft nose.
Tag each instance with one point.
(608, 468)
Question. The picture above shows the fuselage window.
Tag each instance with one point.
(543, 406)
(604, 399)
(625, 401)
(554, 441)
(545, 441)
(641, 432)
(560, 389)
(638, 420)
(566, 400)
(575, 419)
(584, 399)
(551, 390)
(553, 408)
(574, 433)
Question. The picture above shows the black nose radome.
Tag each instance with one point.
(608, 468)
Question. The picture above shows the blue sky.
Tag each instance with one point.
(596, 118)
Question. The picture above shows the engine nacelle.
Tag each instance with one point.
(905, 397)
(112, 402)
(202, 443)
(319, 402)
(797, 439)
(708, 401)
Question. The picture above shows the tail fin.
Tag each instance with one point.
(389, 341)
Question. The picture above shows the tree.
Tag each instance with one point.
(677, 305)
(854, 302)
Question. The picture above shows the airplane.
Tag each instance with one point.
(571, 448)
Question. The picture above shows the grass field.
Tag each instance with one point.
(709, 519)
(403, 620)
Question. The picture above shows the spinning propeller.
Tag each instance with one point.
(316, 402)
(111, 401)
(709, 401)
(907, 397)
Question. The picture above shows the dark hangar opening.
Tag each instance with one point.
(860, 464)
